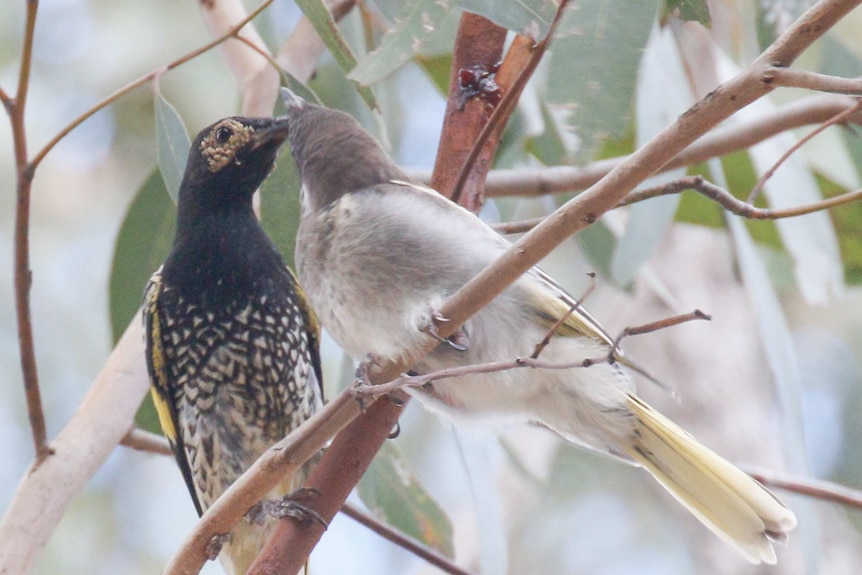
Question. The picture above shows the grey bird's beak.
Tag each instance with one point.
(291, 100)
(276, 133)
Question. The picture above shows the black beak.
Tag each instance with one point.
(275, 133)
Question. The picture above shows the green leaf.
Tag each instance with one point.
(421, 23)
(173, 144)
(327, 29)
(393, 493)
(279, 205)
(593, 66)
(688, 10)
(142, 245)
(402, 43)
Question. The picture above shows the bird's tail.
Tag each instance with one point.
(733, 505)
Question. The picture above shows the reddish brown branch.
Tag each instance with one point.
(23, 274)
(522, 60)
(479, 45)
(816, 488)
(334, 478)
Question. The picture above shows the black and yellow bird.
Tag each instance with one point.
(232, 346)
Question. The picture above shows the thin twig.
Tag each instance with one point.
(418, 548)
(540, 347)
(836, 119)
(662, 324)
(816, 488)
(794, 78)
(508, 102)
(142, 440)
(5, 98)
(37, 159)
(735, 206)
(23, 274)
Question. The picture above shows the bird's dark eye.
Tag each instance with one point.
(223, 134)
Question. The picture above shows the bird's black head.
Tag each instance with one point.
(230, 159)
(335, 155)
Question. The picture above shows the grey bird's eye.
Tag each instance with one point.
(223, 134)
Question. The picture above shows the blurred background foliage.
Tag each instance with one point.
(773, 381)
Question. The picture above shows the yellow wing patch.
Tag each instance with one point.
(156, 356)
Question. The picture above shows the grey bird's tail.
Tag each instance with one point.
(733, 505)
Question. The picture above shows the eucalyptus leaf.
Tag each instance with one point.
(320, 17)
(421, 23)
(662, 95)
(172, 144)
(594, 63)
(392, 492)
(279, 205)
(143, 243)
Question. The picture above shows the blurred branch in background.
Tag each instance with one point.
(15, 107)
(525, 182)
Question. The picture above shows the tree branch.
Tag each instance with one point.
(836, 119)
(79, 450)
(258, 82)
(793, 78)
(560, 179)
(477, 50)
(815, 488)
(23, 275)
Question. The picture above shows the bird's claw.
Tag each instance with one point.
(457, 341)
(287, 506)
(214, 546)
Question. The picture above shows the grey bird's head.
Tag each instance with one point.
(334, 153)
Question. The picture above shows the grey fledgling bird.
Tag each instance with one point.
(378, 255)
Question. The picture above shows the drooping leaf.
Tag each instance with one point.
(172, 140)
(327, 29)
(142, 245)
(393, 493)
(662, 95)
(593, 66)
(688, 10)
(420, 24)
(279, 205)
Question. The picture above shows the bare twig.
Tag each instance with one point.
(81, 447)
(537, 351)
(37, 159)
(23, 274)
(793, 78)
(141, 440)
(836, 119)
(816, 488)
(419, 549)
(733, 205)
(661, 324)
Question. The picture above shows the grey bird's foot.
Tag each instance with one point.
(457, 341)
(288, 506)
(215, 545)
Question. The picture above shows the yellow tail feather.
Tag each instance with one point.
(733, 505)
